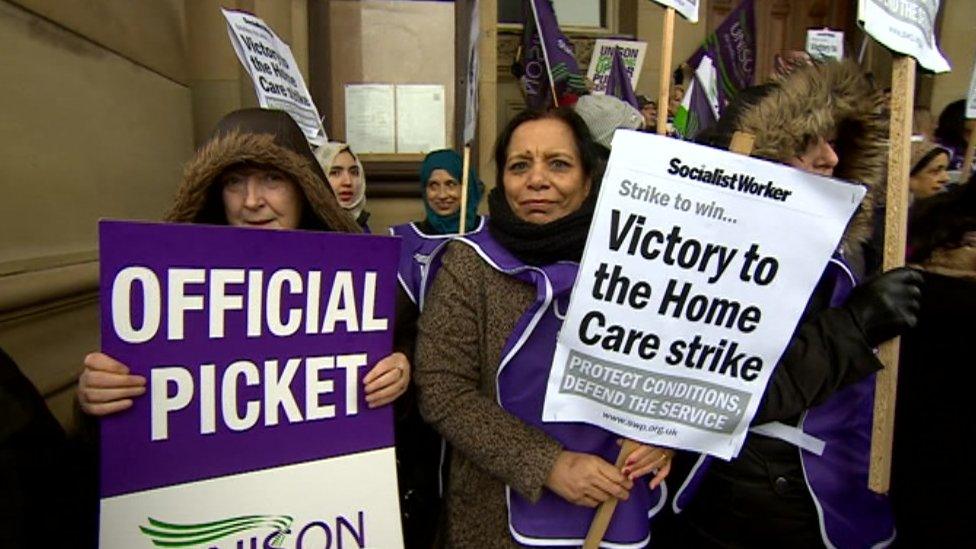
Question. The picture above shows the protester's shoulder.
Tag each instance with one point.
(461, 255)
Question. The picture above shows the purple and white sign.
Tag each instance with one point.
(254, 424)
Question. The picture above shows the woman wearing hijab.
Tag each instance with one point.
(486, 339)
(347, 179)
(440, 187)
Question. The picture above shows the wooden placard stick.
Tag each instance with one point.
(664, 93)
(464, 189)
(896, 215)
(742, 143)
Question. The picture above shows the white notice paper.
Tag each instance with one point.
(689, 290)
(278, 83)
(420, 124)
(906, 26)
(825, 44)
(370, 118)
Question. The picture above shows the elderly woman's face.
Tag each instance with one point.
(931, 178)
(543, 178)
(261, 197)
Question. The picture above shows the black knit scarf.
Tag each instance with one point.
(560, 240)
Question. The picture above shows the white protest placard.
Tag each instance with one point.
(971, 97)
(905, 26)
(371, 118)
(277, 81)
(599, 70)
(689, 291)
(687, 8)
(825, 44)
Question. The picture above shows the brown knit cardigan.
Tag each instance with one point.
(469, 314)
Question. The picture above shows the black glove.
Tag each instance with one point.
(887, 305)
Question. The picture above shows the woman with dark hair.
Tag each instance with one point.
(953, 133)
(934, 379)
(486, 340)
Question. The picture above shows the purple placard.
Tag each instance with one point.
(203, 439)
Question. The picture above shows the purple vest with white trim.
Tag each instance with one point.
(851, 516)
(522, 379)
(415, 253)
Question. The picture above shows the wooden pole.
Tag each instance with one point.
(601, 521)
(967, 160)
(464, 189)
(896, 213)
(664, 93)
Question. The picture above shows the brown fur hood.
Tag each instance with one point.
(263, 137)
(829, 99)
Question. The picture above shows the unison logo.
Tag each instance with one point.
(168, 534)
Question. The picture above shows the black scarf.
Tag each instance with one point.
(559, 240)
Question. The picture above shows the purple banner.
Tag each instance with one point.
(547, 55)
(618, 81)
(254, 343)
(732, 48)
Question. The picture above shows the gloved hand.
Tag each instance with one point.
(887, 305)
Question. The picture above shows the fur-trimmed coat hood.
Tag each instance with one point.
(828, 99)
(262, 137)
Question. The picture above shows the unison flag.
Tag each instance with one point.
(548, 60)
(732, 49)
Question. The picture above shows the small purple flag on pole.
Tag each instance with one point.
(618, 81)
(733, 49)
(548, 60)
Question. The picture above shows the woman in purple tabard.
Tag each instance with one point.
(800, 479)
(485, 342)
(440, 187)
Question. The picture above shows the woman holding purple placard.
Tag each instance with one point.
(256, 170)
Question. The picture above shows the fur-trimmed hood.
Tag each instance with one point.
(262, 137)
(826, 99)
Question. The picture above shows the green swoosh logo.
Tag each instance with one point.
(168, 534)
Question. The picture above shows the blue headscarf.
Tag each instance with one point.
(450, 161)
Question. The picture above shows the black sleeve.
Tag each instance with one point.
(828, 352)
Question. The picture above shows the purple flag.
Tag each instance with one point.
(618, 81)
(695, 113)
(548, 60)
(732, 47)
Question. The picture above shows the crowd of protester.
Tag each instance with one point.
(468, 374)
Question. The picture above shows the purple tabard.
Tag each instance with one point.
(415, 254)
(851, 516)
(522, 379)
